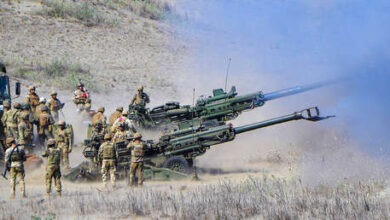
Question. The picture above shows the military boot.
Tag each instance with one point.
(12, 196)
(47, 195)
(59, 194)
(24, 195)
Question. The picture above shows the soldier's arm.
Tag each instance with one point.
(147, 99)
(20, 131)
(27, 99)
(7, 152)
(133, 100)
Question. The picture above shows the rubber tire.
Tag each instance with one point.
(177, 159)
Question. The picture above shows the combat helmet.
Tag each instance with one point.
(61, 123)
(140, 87)
(17, 105)
(51, 142)
(44, 108)
(119, 108)
(10, 140)
(107, 137)
(53, 93)
(125, 113)
(137, 135)
(101, 109)
(25, 116)
(26, 106)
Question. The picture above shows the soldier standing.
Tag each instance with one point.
(12, 120)
(99, 118)
(107, 154)
(141, 98)
(114, 116)
(64, 143)
(80, 97)
(33, 99)
(54, 105)
(53, 171)
(15, 156)
(137, 159)
(25, 134)
(31, 119)
(129, 126)
(42, 101)
(45, 125)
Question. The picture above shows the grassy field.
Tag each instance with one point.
(226, 198)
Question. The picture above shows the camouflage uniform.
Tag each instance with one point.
(80, 97)
(33, 99)
(64, 143)
(45, 125)
(141, 98)
(31, 119)
(128, 124)
(137, 159)
(120, 135)
(99, 118)
(25, 134)
(107, 154)
(7, 107)
(114, 116)
(17, 168)
(12, 120)
(54, 105)
(53, 170)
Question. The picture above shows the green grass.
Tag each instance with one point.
(60, 73)
(83, 11)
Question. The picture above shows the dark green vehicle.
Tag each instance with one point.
(173, 155)
(5, 96)
(222, 106)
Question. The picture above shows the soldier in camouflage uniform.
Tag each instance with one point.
(31, 119)
(80, 97)
(99, 118)
(140, 99)
(25, 133)
(137, 159)
(42, 102)
(114, 116)
(121, 133)
(53, 170)
(129, 126)
(7, 107)
(17, 157)
(107, 156)
(45, 125)
(54, 105)
(12, 120)
(33, 99)
(64, 143)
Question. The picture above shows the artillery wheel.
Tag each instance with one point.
(178, 164)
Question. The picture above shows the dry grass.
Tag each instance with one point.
(259, 198)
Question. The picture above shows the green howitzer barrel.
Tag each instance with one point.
(220, 107)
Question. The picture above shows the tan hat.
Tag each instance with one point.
(137, 135)
(53, 93)
(125, 112)
(140, 87)
(10, 140)
(17, 105)
(107, 137)
(31, 87)
(101, 109)
(61, 123)
(51, 142)
(119, 108)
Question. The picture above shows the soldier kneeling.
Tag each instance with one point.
(107, 154)
(53, 155)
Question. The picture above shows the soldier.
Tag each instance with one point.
(12, 120)
(7, 107)
(54, 105)
(53, 170)
(15, 156)
(137, 159)
(80, 97)
(98, 129)
(141, 98)
(114, 116)
(129, 126)
(42, 101)
(107, 154)
(121, 134)
(45, 125)
(33, 99)
(26, 110)
(64, 143)
(25, 133)
(99, 117)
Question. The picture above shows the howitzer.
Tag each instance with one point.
(220, 107)
(173, 153)
(92, 146)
